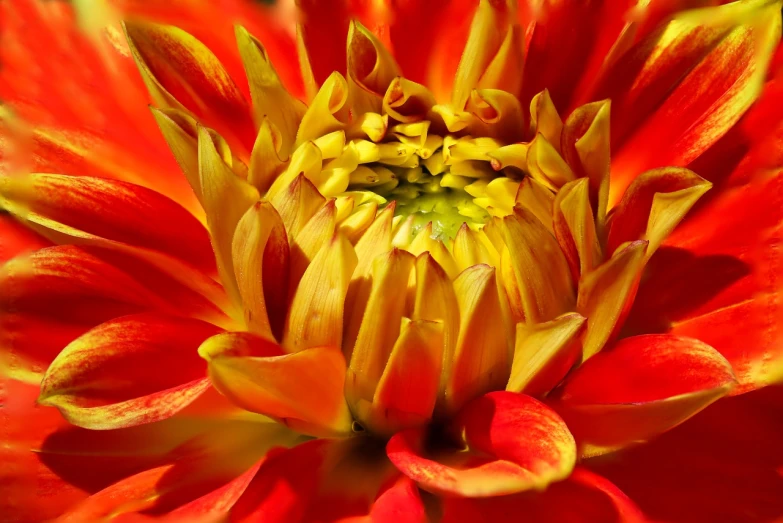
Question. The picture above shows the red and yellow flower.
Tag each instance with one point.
(473, 278)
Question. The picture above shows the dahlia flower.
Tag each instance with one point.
(391, 261)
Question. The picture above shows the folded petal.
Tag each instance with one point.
(102, 380)
(642, 386)
(79, 209)
(304, 389)
(584, 497)
(515, 444)
(574, 227)
(182, 73)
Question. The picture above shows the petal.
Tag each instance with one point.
(260, 252)
(481, 360)
(297, 204)
(544, 353)
(607, 293)
(574, 227)
(265, 161)
(653, 205)
(641, 387)
(315, 317)
(182, 73)
(691, 82)
(400, 503)
(323, 30)
(89, 210)
(540, 270)
(17, 239)
(371, 69)
(582, 498)
(518, 444)
(226, 198)
(270, 98)
(733, 455)
(304, 389)
(56, 294)
(101, 380)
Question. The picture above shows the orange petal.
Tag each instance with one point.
(304, 389)
(79, 209)
(539, 267)
(607, 293)
(482, 358)
(102, 380)
(315, 317)
(653, 205)
(544, 353)
(182, 73)
(689, 84)
(584, 497)
(260, 254)
(643, 386)
(516, 444)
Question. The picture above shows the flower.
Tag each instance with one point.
(423, 295)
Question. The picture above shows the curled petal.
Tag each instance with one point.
(102, 380)
(327, 112)
(641, 387)
(304, 390)
(515, 444)
(371, 69)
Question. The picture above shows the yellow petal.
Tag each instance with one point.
(606, 294)
(575, 227)
(514, 155)
(316, 315)
(482, 359)
(544, 353)
(545, 119)
(371, 69)
(266, 163)
(304, 390)
(297, 203)
(500, 111)
(354, 226)
(468, 249)
(406, 393)
(540, 269)
(594, 154)
(537, 199)
(380, 325)
(181, 133)
(226, 198)
(509, 58)
(306, 160)
(546, 165)
(424, 242)
(327, 112)
(407, 101)
(260, 253)
(270, 98)
(318, 230)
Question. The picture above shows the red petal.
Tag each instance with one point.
(89, 210)
(583, 498)
(722, 465)
(517, 442)
(16, 239)
(399, 503)
(102, 380)
(324, 29)
(641, 387)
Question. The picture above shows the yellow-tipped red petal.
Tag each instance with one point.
(303, 389)
(315, 318)
(641, 387)
(574, 227)
(606, 295)
(270, 98)
(261, 264)
(102, 380)
(544, 353)
(515, 444)
(482, 356)
(182, 73)
(226, 198)
(540, 269)
(653, 205)
(80, 209)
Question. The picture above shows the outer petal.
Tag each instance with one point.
(582, 498)
(304, 389)
(17, 239)
(86, 210)
(102, 379)
(518, 444)
(689, 83)
(182, 73)
(733, 455)
(641, 387)
(56, 294)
